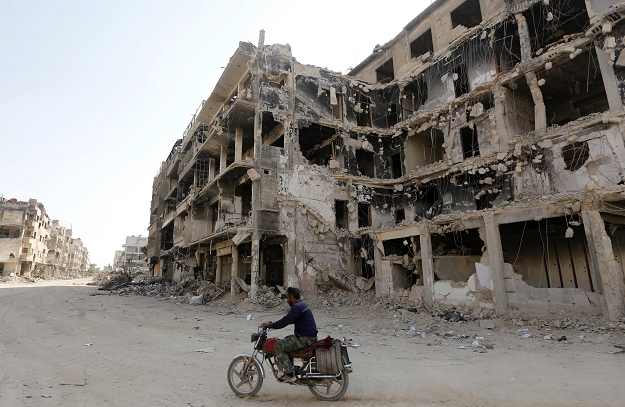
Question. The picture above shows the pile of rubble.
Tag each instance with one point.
(562, 319)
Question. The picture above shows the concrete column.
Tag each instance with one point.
(524, 37)
(500, 117)
(238, 145)
(218, 271)
(211, 169)
(540, 111)
(377, 264)
(258, 141)
(223, 156)
(609, 82)
(234, 270)
(427, 265)
(255, 268)
(609, 278)
(495, 257)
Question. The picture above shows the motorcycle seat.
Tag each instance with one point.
(306, 352)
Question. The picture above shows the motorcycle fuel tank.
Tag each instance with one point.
(269, 345)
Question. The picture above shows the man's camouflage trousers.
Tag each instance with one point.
(289, 344)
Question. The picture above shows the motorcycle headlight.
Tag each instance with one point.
(255, 337)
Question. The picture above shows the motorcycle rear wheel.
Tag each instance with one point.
(330, 389)
(244, 373)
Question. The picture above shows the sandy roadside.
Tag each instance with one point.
(143, 352)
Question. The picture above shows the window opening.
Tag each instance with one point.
(575, 155)
(385, 73)
(415, 96)
(337, 109)
(364, 160)
(362, 110)
(364, 215)
(396, 165)
(400, 216)
(467, 14)
(461, 79)
(279, 142)
(422, 45)
(341, 214)
(470, 144)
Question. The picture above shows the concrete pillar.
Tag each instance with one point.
(218, 271)
(609, 278)
(377, 264)
(540, 112)
(234, 270)
(500, 117)
(495, 258)
(258, 141)
(238, 145)
(255, 268)
(223, 157)
(524, 37)
(211, 169)
(427, 265)
(609, 82)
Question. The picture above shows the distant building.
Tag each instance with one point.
(30, 244)
(132, 255)
(78, 257)
(24, 232)
(58, 249)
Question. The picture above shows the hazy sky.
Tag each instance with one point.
(93, 94)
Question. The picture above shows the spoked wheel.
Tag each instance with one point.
(244, 376)
(330, 389)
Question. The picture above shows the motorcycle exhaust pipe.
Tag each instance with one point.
(321, 376)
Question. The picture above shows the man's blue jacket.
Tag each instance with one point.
(301, 316)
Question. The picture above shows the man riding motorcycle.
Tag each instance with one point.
(301, 316)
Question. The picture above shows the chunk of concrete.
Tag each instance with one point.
(196, 300)
(254, 176)
(487, 324)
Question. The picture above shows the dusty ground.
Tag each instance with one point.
(143, 352)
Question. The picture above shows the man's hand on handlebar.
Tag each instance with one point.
(265, 325)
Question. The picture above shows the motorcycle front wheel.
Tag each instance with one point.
(244, 376)
(330, 389)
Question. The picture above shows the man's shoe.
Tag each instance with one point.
(288, 378)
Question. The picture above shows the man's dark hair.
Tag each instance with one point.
(293, 291)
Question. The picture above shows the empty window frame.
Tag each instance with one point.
(461, 79)
(467, 14)
(470, 144)
(575, 155)
(422, 45)
(341, 214)
(396, 166)
(364, 215)
(385, 73)
(415, 95)
(337, 106)
(400, 216)
(362, 110)
(364, 159)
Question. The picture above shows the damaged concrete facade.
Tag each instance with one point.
(33, 245)
(475, 159)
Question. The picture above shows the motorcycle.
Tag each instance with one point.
(324, 367)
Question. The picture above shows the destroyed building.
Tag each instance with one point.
(33, 245)
(476, 158)
(132, 255)
(59, 247)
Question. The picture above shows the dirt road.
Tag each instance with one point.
(61, 345)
